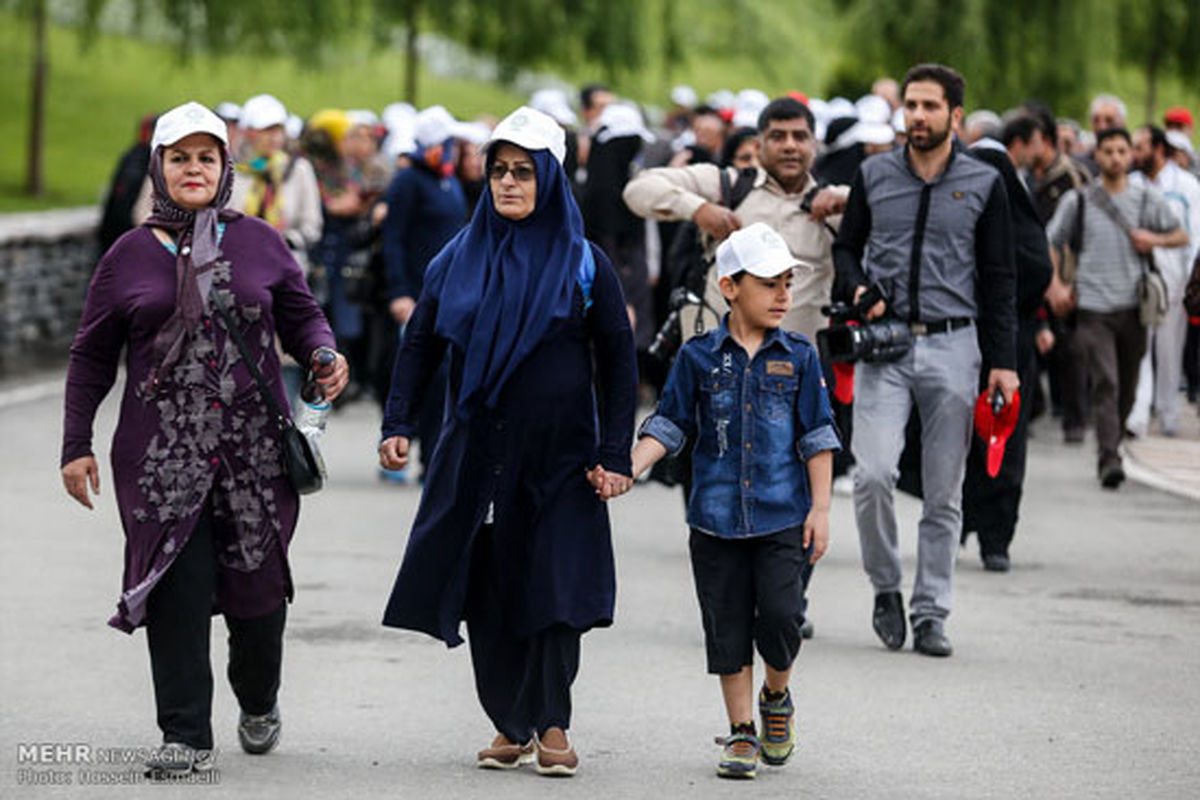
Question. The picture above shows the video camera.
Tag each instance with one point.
(850, 337)
(670, 335)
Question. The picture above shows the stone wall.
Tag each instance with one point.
(46, 261)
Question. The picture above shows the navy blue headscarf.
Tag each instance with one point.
(500, 284)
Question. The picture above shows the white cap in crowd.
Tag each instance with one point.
(435, 125)
(362, 116)
(230, 112)
(553, 102)
(898, 121)
(722, 99)
(840, 107)
(684, 96)
(261, 112)
(621, 119)
(397, 115)
(748, 105)
(184, 120)
(531, 129)
(756, 249)
(293, 127)
(1179, 140)
(874, 124)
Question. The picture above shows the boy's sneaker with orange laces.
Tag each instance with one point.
(778, 727)
(739, 757)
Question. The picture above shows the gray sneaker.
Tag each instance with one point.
(259, 733)
(176, 759)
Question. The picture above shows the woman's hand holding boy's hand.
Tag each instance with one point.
(816, 532)
(608, 484)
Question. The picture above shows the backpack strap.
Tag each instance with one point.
(587, 275)
(1076, 242)
(733, 193)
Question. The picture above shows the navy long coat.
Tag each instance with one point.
(567, 407)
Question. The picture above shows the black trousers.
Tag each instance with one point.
(524, 685)
(1068, 374)
(751, 594)
(1114, 344)
(178, 630)
(991, 505)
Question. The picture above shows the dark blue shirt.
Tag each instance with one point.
(424, 212)
(755, 421)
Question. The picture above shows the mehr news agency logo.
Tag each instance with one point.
(81, 764)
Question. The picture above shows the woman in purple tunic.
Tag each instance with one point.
(510, 534)
(206, 508)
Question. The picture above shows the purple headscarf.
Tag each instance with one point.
(195, 233)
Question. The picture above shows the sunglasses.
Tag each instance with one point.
(523, 173)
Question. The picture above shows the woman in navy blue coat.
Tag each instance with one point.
(510, 535)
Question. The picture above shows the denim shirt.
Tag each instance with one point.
(755, 423)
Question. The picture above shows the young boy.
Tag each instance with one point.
(754, 399)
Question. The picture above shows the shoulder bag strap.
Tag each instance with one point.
(281, 419)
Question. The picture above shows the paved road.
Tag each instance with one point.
(1076, 675)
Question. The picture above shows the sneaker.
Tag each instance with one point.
(996, 562)
(1112, 474)
(259, 733)
(175, 760)
(778, 728)
(503, 754)
(739, 757)
(555, 761)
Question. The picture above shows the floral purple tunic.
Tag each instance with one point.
(204, 435)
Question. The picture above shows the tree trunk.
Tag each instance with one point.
(37, 102)
(411, 60)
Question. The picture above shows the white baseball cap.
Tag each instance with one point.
(184, 120)
(756, 249)
(531, 129)
(1180, 141)
(619, 120)
(684, 95)
(553, 102)
(261, 112)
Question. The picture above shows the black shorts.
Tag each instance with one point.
(751, 593)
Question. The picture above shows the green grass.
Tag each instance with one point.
(96, 97)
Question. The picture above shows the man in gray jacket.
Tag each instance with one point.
(929, 226)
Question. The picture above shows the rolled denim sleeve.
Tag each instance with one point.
(674, 420)
(816, 430)
(670, 435)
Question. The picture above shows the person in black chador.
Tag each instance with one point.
(511, 534)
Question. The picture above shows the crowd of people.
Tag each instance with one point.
(814, 294)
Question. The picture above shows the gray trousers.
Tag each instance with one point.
(940, 374)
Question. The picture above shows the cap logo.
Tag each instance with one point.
(519, 121)
(195, 114)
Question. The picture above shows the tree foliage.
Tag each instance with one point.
(1012, 50)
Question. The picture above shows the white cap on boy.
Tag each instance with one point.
(756, 249)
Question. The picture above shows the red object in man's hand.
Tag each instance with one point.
(995, 421)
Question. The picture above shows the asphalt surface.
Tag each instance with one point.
(1075, 675)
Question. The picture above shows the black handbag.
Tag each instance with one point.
(303, 465)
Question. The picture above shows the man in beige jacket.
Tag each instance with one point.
(787, 148)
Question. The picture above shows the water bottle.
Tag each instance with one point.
(312, 408)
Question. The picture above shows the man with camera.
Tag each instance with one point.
(782, 193)
(928, 229)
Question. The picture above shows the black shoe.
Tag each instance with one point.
(888, 619)
(1073, 435)
(929, 639)
(806, 630)
(1112, 475)
(996, 562)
